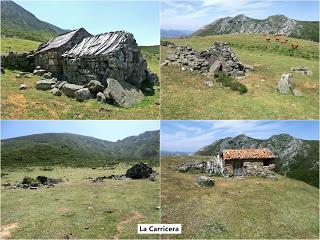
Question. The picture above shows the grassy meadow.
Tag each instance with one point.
(78, 208)
(185, 96)
(35, 104)
(250, 208)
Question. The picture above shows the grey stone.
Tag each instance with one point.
(95, 86)
(215, 68)
(55, 91)
(101, 97)
(23, 87)
(122, 93)
(209, 83)
(285, 84)
(82, 94)
(60, 84)
(37, 68)
(45, 84)
(39, 72)
(47, 75)
(240, 74)
(70, 89)
(297, 93)
(304, 70)
(204, 181)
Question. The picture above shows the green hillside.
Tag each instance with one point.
(251, 208)
(270, 60)
(18, 22)
(77, 151)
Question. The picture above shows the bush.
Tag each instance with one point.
(228, 81)
(29, 180)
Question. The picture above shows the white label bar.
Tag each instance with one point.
(159, 228)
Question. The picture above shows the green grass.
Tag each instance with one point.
(35, 104)
(185, 96)
(17, 45)
(253, 208)
(77, 206)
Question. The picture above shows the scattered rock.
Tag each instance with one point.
(82, 94)
(56, 92)
(204, 181)
(209, 83)
(39, 72)
(47, 75)
(95, 86)
(304, 70)
(285, 84)
(45, 84)
(60, 84)
(70, 89)
(122, 93)
(101, 97)
(109, 210)
(297, 93)
(23, 87)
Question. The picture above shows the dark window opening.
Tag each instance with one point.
(265, 162)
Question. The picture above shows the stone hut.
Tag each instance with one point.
(114, 55)
(48, 55)
(249, 162)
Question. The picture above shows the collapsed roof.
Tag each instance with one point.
(59, 41)
(246, 154)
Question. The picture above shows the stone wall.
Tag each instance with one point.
(21, 61)
(50, 61)
(126, 64)
(257, 169)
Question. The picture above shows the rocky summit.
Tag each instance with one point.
(271, 25)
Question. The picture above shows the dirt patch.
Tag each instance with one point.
(64, 210)
(5, 230)
(19, 101)
(134, 217)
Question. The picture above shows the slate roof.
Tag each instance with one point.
(59, 41)
(243, 154)
(99, 45)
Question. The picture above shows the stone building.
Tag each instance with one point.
(114, 55)
(48, 55)
(249, 162)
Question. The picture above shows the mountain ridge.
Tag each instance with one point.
(17, 21)
(271, 25)
(77, 150)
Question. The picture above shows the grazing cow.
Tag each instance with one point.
(268, 39)
(284, 41)
(277, 39)
(294, 46)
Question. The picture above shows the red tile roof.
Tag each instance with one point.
(234, 154)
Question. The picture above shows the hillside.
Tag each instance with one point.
(172, 33)
(251, 208)
(274, 24)
(18, 22)
(66, 149)
(299, 157)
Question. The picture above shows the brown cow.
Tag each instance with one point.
(284, 41)
(268, 39)
(294, 46)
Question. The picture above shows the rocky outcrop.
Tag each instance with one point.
(139, 171)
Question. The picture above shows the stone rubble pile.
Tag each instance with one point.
(217, 58)
(29, 183)
(304, 70)
(117, 92)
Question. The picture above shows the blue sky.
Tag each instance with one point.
(193, 14)
(107, 130)
(189, 136)
(142, 18)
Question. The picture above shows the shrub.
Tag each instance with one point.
(228, 81)
(29, 180)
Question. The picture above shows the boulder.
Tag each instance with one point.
(215, 68)
(45, 84)
(82, 94)
(139, 171)
(285, 84)
(47, 75)
(204, 181)
(95, 86)
(70, 89)
(23, 87)
(39, 72)
(296, 93)
(101, 97)
(60, 84)
(122, 93)
(56, 92)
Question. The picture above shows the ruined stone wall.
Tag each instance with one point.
(126, 64)
(21, 61)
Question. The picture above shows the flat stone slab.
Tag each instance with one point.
(69, 89)
(45, 84)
